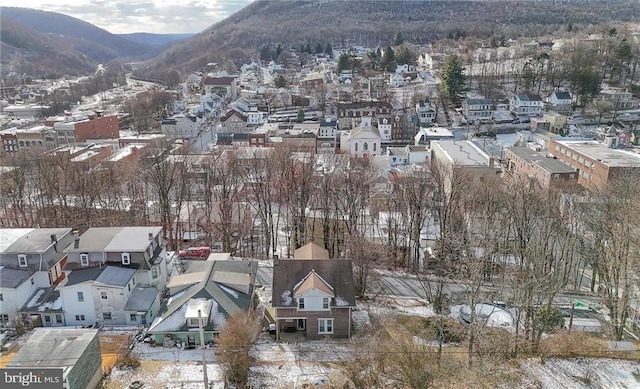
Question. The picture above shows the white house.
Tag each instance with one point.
(107, 295)
(396, 80)
(430, 60)
(30, 259)
(397, 156)
(477, 109)
(384, 128)
(363, 141)
(181, 126)
(526, 104)
(426, 113)
(559, 102)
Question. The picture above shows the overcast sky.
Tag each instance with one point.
(126, 16)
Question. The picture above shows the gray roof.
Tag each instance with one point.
(228, 300)
(551, 165)
(141, 299)
(479, 102)
(94, 239)
(338, 273)
(43, 300)
(116, 276)
(83, 275)
(113, 239)
(562, 95)
(53, 347)
(12, 278)
(397, 151)
(529, 97)
(36, 240)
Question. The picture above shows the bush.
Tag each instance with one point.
(127, 362)
(234, 343)
(452, 331)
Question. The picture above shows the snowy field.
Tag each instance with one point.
(585, 373)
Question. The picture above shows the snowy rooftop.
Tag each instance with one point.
(197, 305)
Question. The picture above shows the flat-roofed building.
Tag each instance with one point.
(464, 155)
(597, 163)
(549, 172)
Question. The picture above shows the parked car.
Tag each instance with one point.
(195, 253)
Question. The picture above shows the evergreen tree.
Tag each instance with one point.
(319, 48)
(388, 59)
(452, 78)
(278, 50)
(280, 81)
(300, 118)
(344, 62)
(404, 56)
(307, 48)
(398, 39)
(328, 50)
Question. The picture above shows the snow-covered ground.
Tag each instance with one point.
(585, 373)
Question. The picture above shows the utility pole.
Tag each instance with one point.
(204, 355)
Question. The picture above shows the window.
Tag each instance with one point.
(84, 259)
(325, 326)
(4, 317)
(106, 315)
(374, 147)
(80, 296)
(356, 146)
(47, 319)
(325, 303)
(22, 260)
(1, 297)
(301, 303)
(126, 258)
(572, 176)
(154, 272)
(32, 281)
(365, 146)
(58, 319)
(128, 287)
(133, 317)
(103, 295)
(80, 317)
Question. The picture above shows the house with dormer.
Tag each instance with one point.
(30, 259)
(207, 293)
(138, 248)
(313, 295)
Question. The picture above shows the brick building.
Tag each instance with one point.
(550, 173)
(84, 128)
(596, 162)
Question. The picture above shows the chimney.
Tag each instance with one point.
(276, 260)
(76, 239)
(492, 162)
(54, 238)
(150, 236)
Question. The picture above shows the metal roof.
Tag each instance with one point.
(134, 239)
(53, 347)
(94, 239)
(338, 273)
(35, 240)
(116, 276)
(12, 278)
(141, 299)
(551, 165)
(83, 275)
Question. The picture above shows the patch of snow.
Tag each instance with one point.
(340, 302)
(286, 297)
(175, 296)
(34, 301)
(585, 373)
(229, 290)
(360, 319)
(51, 305)
(218, 318)
(491, 315)
(170, 323)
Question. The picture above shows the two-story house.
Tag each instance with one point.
(560, 102)
(426, 113)
(526, 104)
(30, 259)
(327, 134)
(139, 248)
(313, 296)
(234, 122)
(223, 86)
(478, 109)
(107, 295)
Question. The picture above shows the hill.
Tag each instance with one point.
(48, 43)
(372, 23)
(155, 39)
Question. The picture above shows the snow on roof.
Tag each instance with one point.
(170, 323)
(9, 235)
(197, 305)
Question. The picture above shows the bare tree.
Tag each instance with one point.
(610, 218)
